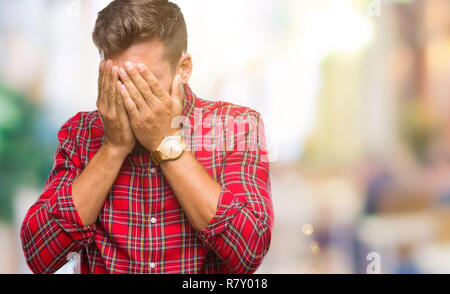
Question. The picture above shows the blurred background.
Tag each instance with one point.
(354, 96)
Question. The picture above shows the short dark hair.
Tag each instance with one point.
(126, 22)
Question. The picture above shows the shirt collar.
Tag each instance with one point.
(189, 101)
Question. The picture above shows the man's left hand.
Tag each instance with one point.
(150, 108)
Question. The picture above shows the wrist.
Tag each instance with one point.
(155, 145)
(173, 163)
(115, 152)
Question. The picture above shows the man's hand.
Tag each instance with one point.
(151, 109)
(118, 133)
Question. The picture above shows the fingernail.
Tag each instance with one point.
(141, 67)
(102, 64)
(129, 65)
(122, 72)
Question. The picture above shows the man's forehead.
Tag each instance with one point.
(148, 53)
(120, 60)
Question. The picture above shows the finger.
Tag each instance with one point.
(119, 98)
(155, 86)
(106, 93)
(129, 104)
(101, 72)
(141, 85)
(114, 79)
(114, 96)
(111, 86)
(177, 93)
(121, 111)
(133, 92)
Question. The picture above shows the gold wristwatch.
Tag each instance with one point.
(171, 148)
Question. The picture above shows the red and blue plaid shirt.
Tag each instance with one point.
(142, 227)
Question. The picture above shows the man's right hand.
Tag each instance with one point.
(118, 134)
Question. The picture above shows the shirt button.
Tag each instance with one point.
(153, 220)
(153, 170)
(152, 265)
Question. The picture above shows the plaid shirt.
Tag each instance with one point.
(142, 227)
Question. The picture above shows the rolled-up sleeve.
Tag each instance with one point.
(240, 232)
(52, 227)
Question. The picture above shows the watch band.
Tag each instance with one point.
(156, 157)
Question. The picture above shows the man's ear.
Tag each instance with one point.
(184, 68)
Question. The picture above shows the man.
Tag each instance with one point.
(156, 180)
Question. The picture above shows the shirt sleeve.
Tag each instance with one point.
(240, 232)
(52, 227)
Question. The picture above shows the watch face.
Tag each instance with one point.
(171, 147)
